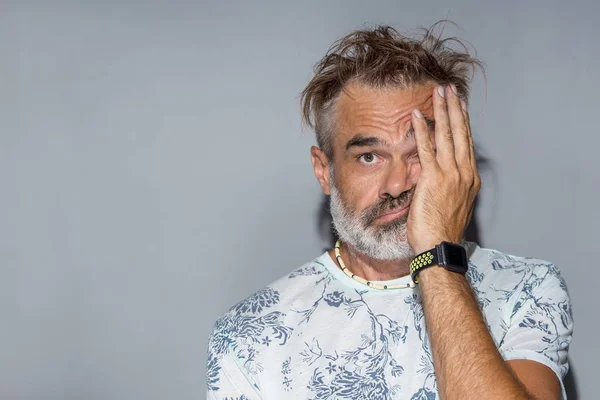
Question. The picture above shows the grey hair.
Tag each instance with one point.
(382, 57)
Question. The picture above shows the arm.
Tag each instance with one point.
(540, 330)
(467, 363)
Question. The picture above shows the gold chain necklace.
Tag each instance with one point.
(338, 257)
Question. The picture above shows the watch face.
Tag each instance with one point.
(454, 257)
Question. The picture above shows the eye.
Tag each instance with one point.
(368, 158)
(414, 157)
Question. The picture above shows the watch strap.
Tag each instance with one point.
(426, 259)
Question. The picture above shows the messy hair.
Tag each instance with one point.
(382, 57)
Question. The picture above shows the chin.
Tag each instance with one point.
(386, 248)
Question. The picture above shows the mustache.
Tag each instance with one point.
(385, 205)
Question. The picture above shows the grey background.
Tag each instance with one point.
(154, 171)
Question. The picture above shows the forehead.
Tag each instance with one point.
(366, 109)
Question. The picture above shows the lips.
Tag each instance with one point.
(394, 213)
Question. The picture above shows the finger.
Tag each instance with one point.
(460, 134)
(424, 145)
(467, 118)
(472, 155)
(443, 133)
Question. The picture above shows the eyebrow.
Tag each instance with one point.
(364, 141)
(360, 140)
(430, 126)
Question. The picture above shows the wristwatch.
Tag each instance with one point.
(451, 256)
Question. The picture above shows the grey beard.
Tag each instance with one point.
(387, 242)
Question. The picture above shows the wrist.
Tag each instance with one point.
(451, 256)
(431, 243)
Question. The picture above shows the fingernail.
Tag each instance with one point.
(417, 113)
(453, 87)
(463, 105)
(441, 91)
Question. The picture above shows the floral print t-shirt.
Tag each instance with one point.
(318, 334)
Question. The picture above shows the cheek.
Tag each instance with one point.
(359, 194)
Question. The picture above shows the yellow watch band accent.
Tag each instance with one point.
(420, 262)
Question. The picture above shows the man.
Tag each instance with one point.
(403, 307)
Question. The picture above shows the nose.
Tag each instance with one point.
(398, 179)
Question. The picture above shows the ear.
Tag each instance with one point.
(321, 167)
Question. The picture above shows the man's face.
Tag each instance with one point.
(375, 167)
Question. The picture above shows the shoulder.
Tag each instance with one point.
(506, 282)
(283, 292)
(493, 266)
(527, 306)
(268, 307)
(253, 325)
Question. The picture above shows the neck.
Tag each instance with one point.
(369, 268)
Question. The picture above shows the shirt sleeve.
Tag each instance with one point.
(226, 379)
(541, 322)
(231, 383)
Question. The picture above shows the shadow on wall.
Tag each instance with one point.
(571, 384)
(472, 233)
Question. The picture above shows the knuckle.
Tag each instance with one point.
(454, 175)
(467, 175)
(477, 182)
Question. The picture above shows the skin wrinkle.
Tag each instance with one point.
(384, 116)
(363, 140)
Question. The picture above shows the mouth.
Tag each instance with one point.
(393, 214)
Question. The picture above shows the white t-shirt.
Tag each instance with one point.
(318, 334)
